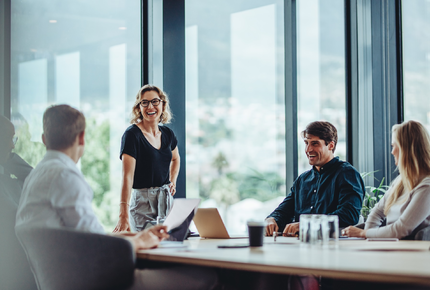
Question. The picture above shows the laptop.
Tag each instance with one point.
(178, 220)
(210, 225)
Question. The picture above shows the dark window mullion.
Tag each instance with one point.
(290, 43)
(5, 57)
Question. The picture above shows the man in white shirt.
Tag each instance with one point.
(56, 195)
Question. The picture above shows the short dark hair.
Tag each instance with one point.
(61, 125)
(323, 130)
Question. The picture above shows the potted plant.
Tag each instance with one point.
(372, 195)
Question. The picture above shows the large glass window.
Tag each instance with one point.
(416, 60)
(235, 116)
(321, 70)
(85, 54)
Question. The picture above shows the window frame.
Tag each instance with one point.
(383, 21)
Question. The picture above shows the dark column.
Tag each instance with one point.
(145, 40)
(174, 75)
(5, 49)
(290, 41)
(351, 81)
(387, 78)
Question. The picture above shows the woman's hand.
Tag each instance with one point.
(123, 225)
(354, 232)
(174, 170)
(172, 187)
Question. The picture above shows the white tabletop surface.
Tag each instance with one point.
(383, 261)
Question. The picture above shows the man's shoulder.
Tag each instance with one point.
(344, 167)
(304, 176)
(305, 173)
(54, 165)
(52, 169)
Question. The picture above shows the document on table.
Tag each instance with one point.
(171, 244)
(350, 238)
(402, 246)
(181, 209)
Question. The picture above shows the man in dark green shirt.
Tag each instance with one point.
(331, 187)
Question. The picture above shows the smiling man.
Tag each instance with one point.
(331, 187)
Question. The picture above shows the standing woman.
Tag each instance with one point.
(150, 161)
(406, 205)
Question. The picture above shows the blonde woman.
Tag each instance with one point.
(150, 161)
(406, 205)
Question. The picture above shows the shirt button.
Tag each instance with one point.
(322, 168)
(312, 207)
(315, 190)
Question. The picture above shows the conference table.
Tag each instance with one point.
(359, 260)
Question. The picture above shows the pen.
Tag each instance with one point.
(274, 236)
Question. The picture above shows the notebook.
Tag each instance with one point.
(210, 225)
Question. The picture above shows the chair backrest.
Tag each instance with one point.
(69, 259)
(15, 273)
(423, 235)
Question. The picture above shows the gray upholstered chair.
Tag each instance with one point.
(423, 235)
(69, 259)
(15, 273)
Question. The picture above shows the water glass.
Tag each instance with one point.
(319, 229)
(305, 228)
(333, 229)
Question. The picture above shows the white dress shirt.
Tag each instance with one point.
(56, 195)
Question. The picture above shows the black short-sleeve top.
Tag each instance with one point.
(152, 165)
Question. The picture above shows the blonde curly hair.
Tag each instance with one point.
(136, 114)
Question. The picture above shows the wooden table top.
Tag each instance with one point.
(379, 261)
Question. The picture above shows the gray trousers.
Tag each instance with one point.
(147, 204)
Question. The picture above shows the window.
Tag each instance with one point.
(416, 60)
(235, 118)
(85, 54)
(321, 70)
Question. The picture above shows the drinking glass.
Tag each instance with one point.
(333, 229)
(305, 228)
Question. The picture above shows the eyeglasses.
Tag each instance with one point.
(14, 140)
(154, 102)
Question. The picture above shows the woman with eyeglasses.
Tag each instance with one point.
(406, 205)
(150, 162)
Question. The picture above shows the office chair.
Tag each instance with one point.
(15, 272)
(68, 259)
(423, 235)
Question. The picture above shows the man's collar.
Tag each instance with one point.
(327, 166)
(55, 154)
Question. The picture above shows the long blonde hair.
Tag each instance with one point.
(413, 162)
(136, 114)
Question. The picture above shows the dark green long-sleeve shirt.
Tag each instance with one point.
(337, 189)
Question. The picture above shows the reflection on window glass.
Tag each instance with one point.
(416, 60)
(85, 54)
(235, 107)
(321, 70)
